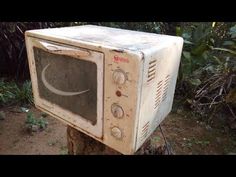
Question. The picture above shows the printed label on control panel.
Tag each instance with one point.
(120, 59)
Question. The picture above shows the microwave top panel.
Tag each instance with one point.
(104, 36)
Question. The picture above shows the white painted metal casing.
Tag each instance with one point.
(136, 75)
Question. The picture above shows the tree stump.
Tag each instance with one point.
(81, 144)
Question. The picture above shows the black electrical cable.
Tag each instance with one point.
(164, 140)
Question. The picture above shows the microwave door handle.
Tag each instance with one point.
(56, 49)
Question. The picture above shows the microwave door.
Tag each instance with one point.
(67, 77)
(59, 50)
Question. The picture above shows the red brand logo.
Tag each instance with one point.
(120, 59)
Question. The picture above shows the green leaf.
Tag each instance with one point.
(179, 31)
(232, 31)
(186, 35)
(205, 55)
(216, 59)
(188, 42)
(212, 40)
(199, 49)
(201, 32)
(228, 43)
(233, 35)
(187, 54)
(195, 82)
(210, 68)
(156, 139)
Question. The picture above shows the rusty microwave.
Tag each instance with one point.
(114, 85)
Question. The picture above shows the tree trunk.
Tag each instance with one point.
(81, 144)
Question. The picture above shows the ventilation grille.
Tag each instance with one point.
(152, 70)
(145, 130)
(158, 94)
(165, 87)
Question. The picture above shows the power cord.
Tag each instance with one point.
(164, 140)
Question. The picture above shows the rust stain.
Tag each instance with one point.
(118, 50)
(142, 55)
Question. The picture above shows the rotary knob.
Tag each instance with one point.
(117, 111)
(116, 132)
(119, 76)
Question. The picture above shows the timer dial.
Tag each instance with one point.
(117, 111)
(116, 132)
(119, 76)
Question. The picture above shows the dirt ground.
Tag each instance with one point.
(15, 139)
(189, 136)
(185, 135)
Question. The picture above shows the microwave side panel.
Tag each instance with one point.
(158, 87)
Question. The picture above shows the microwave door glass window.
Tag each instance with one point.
(68, 82)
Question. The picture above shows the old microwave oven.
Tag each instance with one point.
(112, 84)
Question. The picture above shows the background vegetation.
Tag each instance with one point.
(207, 74)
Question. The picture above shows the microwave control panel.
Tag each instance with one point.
(120, 98)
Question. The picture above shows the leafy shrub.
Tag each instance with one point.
(208, 69)
(34, 124)
(12, 93)
(12, 49)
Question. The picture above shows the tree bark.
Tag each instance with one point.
(81, 144)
